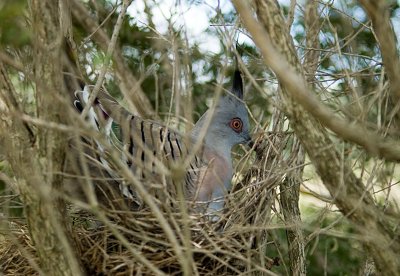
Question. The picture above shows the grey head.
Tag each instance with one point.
(230, 123)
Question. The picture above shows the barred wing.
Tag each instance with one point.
(155, 153)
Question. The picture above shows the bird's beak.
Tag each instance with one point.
(249, 142)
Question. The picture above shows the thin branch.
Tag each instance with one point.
(313, 26)
(379, 13)
(109, 53)
(290, 18)
(5, 58)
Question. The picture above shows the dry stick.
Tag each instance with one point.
(182, 205)
(297, 87)
(290, 18)
(290, 188)
(110, 50)
(98, 28)
(4, 57)
(378, 11)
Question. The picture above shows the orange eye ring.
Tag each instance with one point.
(236, 124)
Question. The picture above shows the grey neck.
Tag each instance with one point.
(212, 143)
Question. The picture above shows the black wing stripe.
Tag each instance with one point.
(130, 149)
(188, 180)
(143, 139)
(170, 145)
(179, 146)
(131, 142)
(193, 169)
(154, 148)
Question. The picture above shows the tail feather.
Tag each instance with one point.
(100, 121)
(98, 117)
(106, 115)
(78, 105)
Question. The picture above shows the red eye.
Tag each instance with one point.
(236, 124)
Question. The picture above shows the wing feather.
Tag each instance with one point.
(150, 149)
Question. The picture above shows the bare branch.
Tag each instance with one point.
(290, 18)
(109, 53)
(10, 61)
(351, 198)
(290, 188)
(313, 26)
(379, 13)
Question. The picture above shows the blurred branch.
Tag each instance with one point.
(379, 13)
(310, 64)
(130, 86)
(34, 160)
(290, 18)
(110, 50)
(351, 198)
(5, 58)
(7, 96)
(290, 187)
(313, 26)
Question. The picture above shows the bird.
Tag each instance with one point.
(203, 156)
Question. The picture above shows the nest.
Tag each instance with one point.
(115, 242)
(213, 251)
(133, 243)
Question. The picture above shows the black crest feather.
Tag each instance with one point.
(237, 86)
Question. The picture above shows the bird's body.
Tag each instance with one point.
(200, 162)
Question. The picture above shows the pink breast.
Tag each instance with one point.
(215, 176)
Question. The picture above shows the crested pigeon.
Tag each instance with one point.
(209, 170)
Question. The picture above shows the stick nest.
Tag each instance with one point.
(136, 243)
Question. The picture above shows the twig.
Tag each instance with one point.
(109, 54)
(12, 62)
(379, 13)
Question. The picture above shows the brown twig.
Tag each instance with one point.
(109, 54)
